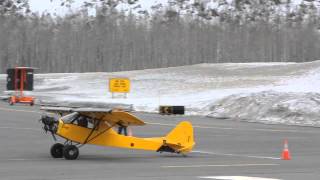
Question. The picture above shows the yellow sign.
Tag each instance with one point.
(119, 85)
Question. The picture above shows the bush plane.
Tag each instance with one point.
(81, 126)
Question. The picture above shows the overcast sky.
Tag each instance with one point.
(54, 6)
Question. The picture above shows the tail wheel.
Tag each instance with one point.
(70, 152)
(56, 150)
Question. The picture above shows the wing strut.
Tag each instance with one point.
(94, 128)
(88, 140)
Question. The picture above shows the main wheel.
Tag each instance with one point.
(70, 152)
(56, 150)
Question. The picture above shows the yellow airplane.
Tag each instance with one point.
(80, 126)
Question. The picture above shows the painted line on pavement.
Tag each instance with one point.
(236, 155)
(222, 128)
(235, 178)
(20, 159)
(219, 165)
(174, 125)
(17, 128)
(18, 110)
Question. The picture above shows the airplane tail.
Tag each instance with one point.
(179, 140)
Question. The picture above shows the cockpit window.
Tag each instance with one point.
(68, 119)
(78, 119)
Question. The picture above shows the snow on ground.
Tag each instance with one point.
(270, 107)
(286, 93)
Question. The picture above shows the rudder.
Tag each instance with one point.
(181, 138)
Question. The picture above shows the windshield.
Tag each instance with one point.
(68, 119)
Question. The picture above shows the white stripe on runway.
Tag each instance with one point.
(218, 165)
(236, 155)
(173, 125)
(35, 159)
(235, 178)
(226, 128)
(17, 128)
(17, 110)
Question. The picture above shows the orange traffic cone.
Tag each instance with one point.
(286, 153)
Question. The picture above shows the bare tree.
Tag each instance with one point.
(115, 41)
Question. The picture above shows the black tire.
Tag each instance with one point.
(70, 152)
(56, 150)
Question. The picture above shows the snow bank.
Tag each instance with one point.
(284, 93)
(270, 107)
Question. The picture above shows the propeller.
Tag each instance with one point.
(50, 124)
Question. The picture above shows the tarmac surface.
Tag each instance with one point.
(223, 148)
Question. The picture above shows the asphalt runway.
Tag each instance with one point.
(224, 148)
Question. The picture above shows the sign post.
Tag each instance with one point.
(119, 85)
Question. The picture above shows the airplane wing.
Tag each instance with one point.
(57, 110)
(124, 118)
(109, 115)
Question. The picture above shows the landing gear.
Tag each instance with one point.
(70, 152)
(56, 150)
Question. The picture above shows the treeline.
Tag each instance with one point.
(112, 41)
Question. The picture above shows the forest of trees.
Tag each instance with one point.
(116, 41)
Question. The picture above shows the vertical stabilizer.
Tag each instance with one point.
(181, 138)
